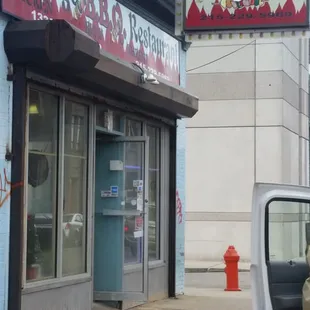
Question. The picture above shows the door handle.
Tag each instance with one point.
(146, 201)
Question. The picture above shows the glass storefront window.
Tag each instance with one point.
(42, 186)
(133, 128)
(109, 120)
(55, 169)
(75, 188)
(102, 119)
(154, 187)
(133, 171)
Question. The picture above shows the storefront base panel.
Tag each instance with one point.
(73, 297)
(155, 297)
(158, 285)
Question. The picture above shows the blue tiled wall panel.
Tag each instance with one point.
(180, 218)
(5, 168)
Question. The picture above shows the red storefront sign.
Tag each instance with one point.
(118, 30)
(210, 15)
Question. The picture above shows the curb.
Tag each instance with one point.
(211, 269)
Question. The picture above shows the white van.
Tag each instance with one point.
(280, 235)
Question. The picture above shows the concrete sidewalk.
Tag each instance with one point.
(207, 266)
(198, 299)
(204, 291)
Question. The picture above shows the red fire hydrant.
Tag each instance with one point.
(231, 258)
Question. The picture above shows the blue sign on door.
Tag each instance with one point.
(114, 191)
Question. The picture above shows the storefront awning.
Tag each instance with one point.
(61, 50)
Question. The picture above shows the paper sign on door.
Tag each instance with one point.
(138, 233)
(139, 202)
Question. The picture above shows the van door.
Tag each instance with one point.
(280, 220)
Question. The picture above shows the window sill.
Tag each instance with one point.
(55, 283)
(138, 267)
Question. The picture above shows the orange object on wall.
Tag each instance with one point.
(231, 258)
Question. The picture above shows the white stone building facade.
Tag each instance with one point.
(252, 126)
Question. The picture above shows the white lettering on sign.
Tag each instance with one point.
(118, 30)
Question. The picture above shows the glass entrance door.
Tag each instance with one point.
(121, 218)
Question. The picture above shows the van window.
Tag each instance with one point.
(288, 230)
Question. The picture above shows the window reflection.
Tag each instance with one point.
(134, 170)
(110, 120)
(289, 231)
(75, 188)
(42, 185)
(154, 172)
(46, 158)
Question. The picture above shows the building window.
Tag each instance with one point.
(57, 187)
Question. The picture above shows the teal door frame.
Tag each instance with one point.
(111, 219)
